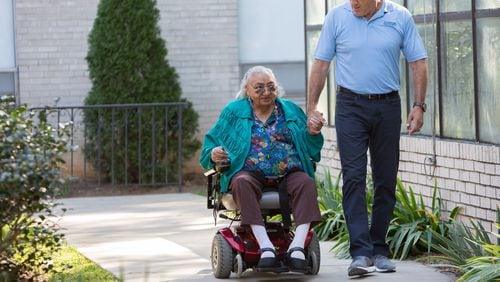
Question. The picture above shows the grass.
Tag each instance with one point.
(73, 266)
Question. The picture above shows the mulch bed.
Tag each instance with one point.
(193, 183)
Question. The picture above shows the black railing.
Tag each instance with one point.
(139, 144)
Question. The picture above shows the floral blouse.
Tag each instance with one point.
(272, 149)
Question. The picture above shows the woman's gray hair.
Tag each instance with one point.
(254, 70)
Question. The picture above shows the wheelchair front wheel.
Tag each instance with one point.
(222, 257)
(313, 256)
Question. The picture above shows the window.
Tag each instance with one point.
(283, 46)
(7, 52)
(457, 79)
(488, 68)
(463, 43)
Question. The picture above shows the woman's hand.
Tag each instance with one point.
(315, 122)
(218, 154)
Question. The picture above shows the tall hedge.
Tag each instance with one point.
(127, 61)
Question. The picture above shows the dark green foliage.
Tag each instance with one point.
(330, 205)
(413, 222)
(469, 250)
(127, 64)
(411, 229)
(30, 160)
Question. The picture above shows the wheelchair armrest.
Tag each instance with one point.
(210, 172)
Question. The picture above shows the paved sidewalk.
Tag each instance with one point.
(168, 238)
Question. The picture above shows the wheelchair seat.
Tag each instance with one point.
(269, 201)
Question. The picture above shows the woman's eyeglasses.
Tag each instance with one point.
(261, 89)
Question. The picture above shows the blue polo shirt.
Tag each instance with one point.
(368, 51)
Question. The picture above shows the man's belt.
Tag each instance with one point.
(381, 96)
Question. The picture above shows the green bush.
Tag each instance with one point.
(410, 231)
(468, 250)
(330, 205)
(127, 64)
(483, 268)
(30, 159)
(413, 222)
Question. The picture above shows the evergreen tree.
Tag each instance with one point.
(127, 64)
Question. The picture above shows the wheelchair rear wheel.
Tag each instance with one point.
(313, 256)
(222, 257)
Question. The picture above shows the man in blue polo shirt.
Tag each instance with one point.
(367, 37)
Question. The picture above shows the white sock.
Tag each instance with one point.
(260, 234)
(299, 240)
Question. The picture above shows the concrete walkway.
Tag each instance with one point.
(168, 238)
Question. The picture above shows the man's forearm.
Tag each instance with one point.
(419, 74)
(319, 71)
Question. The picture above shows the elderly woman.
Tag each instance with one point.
(263, 136)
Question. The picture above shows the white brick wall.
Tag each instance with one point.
(51, 44)
(202, 43)
(201, 37)
(467, 174)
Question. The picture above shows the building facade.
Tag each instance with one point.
(458, 149)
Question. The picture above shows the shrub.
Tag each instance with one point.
(469, 250)
(330, 205)
(30, 159)
(127, 64)
(411, 228)
(413, 223)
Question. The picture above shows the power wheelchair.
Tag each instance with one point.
(234, 248)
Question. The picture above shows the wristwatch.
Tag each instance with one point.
(422, 105)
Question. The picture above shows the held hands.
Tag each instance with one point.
(218, 154)
(315, 122)
(415, 120)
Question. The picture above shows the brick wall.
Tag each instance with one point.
(467, 174)
(51, 44)
(202, 43)
(201, 38)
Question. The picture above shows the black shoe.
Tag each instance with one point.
(296, 264)
(269, 263)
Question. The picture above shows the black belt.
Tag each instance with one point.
(346, 91)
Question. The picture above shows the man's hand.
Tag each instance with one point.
(315, 122)
(415, 120)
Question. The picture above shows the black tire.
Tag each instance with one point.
(313, 256)
(222, 257)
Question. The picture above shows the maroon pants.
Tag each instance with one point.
(247, 190)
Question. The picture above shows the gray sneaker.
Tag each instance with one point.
(383, 264)
(360, 266)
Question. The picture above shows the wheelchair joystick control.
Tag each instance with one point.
(222, 165)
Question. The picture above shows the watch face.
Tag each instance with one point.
(422, 105)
